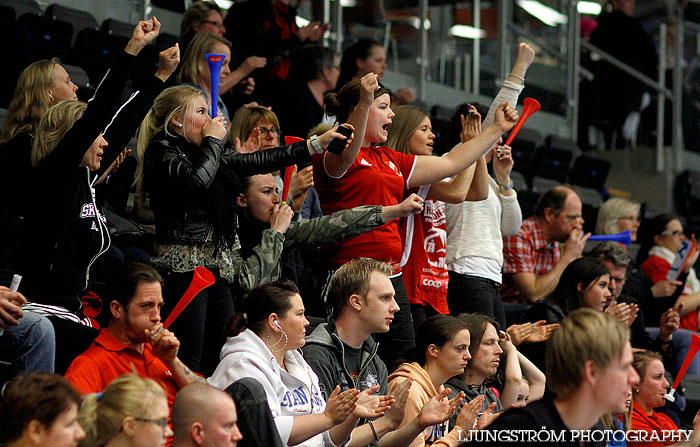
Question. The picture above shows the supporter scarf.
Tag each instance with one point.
(664, 253)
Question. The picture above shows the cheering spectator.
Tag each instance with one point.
(65, 229)
(533, 262)
(475, 230)
(41, 85)
(353, 178)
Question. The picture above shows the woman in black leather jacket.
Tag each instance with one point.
(192, 185)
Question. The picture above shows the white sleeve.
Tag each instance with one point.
(509, 92)
(511, 215)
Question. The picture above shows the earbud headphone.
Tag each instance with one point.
(277, 324)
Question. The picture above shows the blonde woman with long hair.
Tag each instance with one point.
(68, 230)
(192, 185)
(41, 85)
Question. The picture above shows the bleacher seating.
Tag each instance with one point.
(79, 19)
(22, 7)
(49, 37)
(590, 172)
(118, 28)
(95, 51)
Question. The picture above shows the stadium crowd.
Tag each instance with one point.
(374, 293)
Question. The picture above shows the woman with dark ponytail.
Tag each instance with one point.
(368, 172)
(264, 344)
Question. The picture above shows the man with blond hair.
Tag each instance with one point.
(589, 372)
(343, 352)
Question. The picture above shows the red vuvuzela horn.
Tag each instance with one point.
(530, 107)
(289, 170)
(694, 348)
(201, 279)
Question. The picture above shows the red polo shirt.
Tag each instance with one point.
(108, 358)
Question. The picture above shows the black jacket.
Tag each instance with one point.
(178, 176)
(63, 236)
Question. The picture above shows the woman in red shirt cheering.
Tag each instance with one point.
(369, 173)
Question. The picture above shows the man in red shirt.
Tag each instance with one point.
(135, 340)
(533, 262)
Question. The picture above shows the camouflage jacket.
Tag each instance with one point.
(263, 265)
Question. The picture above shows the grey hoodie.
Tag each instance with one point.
(325, 353)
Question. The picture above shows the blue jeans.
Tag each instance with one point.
(30, 346)
(681, 345)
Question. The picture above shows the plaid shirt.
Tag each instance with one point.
(526, 252)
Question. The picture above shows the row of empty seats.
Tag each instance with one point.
(85, 48)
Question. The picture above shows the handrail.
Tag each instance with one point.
(539, 41)
(627, 69)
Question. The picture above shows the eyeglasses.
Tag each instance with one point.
(264, 131)
(672, 233)
(216, 24)
(162, 423)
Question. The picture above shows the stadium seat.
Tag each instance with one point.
(118, 28)
(524, 157)
(95, 51)
(590, 196)
(590, 172)
(553, 164)
(16, 52)
(519, 181)
(564, 144)
(79, 19)
(540, 185)
(49, 38)
(22, 7)
(527, 200)
(7, 14)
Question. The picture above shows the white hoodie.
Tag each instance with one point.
(289, 394)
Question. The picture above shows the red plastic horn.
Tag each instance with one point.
(530, 107)
(694, 348)
(289, 170)
(201, 279)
